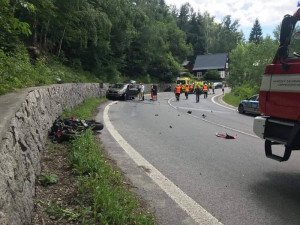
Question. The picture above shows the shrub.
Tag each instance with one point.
(245, 91)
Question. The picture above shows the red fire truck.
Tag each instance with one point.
(279, 96)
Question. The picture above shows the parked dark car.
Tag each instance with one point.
(122, 91)
(218, 85)
(250, 105)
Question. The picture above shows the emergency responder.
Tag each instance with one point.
(197, 92)
(177, 91)
(186, 91)
(205, 90)
(191, 87)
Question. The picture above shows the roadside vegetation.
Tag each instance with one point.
(106, 199)
(248, 63)
(17, 71)
(43, 42)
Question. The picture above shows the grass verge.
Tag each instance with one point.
(99, 184)
(232, 99)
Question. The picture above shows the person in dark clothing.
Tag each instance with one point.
(154, 92)
(198, 93)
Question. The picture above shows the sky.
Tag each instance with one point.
(268, 12)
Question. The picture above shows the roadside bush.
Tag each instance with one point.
(17, 71)
(212, 75)
(245, 91)
(239, 93)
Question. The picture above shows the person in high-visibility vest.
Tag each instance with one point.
(205, 90)
(186, 91)
(191, 87)
(177, 92)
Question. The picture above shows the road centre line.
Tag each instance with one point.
(211, 122)
(192, 208)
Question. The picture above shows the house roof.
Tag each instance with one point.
(185, 63)
(211, 61)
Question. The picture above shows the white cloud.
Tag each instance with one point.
(268, 12)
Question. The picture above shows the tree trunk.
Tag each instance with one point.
(35, 32)
(45, 36)
(60, 42)
(41, 37)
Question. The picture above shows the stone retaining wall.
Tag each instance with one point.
(26, 118)
(23, 137)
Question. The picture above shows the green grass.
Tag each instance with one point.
(85, 110)
(47, 179)
(112, 203)
(240, 93)
(53, 209)
(232, 99)
(101, 185)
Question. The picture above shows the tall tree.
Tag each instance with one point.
(248, 61)
(196, 35)
(256, 33)
(228, 36)
(185, 13)
(11, 27)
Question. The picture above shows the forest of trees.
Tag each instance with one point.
(114, 39)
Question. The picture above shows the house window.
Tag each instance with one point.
(199, 74)
(222, 74)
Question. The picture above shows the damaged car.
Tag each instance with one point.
(122, 91)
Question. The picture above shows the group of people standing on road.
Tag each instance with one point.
(141, 90)
(197, 90)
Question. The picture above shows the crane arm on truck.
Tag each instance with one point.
(279, 97)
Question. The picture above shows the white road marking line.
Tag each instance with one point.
(217, 124)
(192, 208)
(213, 100)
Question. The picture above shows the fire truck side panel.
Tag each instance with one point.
(283, 105)
(262, 102)
(280, 91)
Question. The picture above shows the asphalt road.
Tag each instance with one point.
(231, 179)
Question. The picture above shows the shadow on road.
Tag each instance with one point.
(279, 194)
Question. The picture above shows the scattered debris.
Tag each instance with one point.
(203, 115)
(226, 136)
(156, 114)
(189, 112)
(178, 115)
(170, 126)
